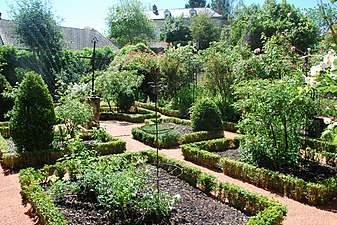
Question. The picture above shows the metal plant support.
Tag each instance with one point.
(147, 128)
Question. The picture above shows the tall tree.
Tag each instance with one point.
(223, 7)
(175, 30)
(196, 4)
(37, 28)
(203, 30)
(128, 23)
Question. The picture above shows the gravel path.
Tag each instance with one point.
(298, 213)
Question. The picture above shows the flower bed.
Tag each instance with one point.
(173, 137)
(262, 209)
(309, 192)
(14, 160)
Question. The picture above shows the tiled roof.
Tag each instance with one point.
(184, 12)
(74, 38)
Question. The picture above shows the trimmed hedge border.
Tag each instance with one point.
(166, 112)
(201, 152)
(133, 118)
(327, 158)
(39, 158)
(319, 145)
(174, 120)
(230, 126)
(295, 188)
(165, 142)
(4, 129)
(263, 210)
(43, 205)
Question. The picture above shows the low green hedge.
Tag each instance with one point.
(172, 138)
(324, 157)
(201, 152)
(139, 117)
(295, 188)
(263, 210)
(4, 129)
(319, 145)
(174, 120)
(43, 205)
(166, 112)
(166, 140)
(15, 160)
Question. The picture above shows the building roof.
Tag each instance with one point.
(184, 12)
(74, 38)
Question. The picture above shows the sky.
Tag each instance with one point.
(92, 13)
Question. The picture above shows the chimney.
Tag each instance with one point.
(0, 16)
(155, 10)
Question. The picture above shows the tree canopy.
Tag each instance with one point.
(175, 30)
(196, 4)
(128, 23)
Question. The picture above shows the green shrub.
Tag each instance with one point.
(200, 136)
(125, 100)
(206, 116)
(33, 116)
(6, 102)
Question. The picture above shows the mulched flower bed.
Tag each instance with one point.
(194, 207)
(183, 129)
(308, 171)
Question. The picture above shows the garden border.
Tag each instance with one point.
(295, 188)
(263, 210)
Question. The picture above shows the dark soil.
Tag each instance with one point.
(308, 171)
(183, 129)
(194, 207)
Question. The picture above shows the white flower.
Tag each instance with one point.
(293, 48)
(323, 65)
(257, 50)
(327, 120)
(314, 71)
(311, 81)
(289, 14)
(327, 59)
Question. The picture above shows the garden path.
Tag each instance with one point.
(298, 213)
(12, 212)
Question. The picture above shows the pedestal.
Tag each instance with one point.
(94, 102)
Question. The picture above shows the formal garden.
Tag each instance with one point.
(269, 78)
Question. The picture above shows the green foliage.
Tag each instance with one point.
(165, 139)
(35, 22)
(175, 30)
(203, 30)
(128, 23)
(6, 101)
(42, 204)
(33, 115)
(201, 157)
(196, 4)
(223, 7)
(295, 188)
(206, 116)
(118, 87)
(200, 136)
(72, 111)
(273, 116)
(250, 22)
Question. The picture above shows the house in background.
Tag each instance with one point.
(158, 16)
(73, 38)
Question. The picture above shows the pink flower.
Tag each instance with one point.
(257, 50)
(293, 48)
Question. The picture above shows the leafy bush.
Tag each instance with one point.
(33, 116)
(125, 100)
(206, 116)
(6, 102)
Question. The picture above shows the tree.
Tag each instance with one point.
(36, 27)
(223, 7)
(33, 116)
(6, 102)
(175, 30)
(128, 23)
(249, 23)
(203, 30)
(274, 112)
(196, 4)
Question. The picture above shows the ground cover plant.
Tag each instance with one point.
(91, 181)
